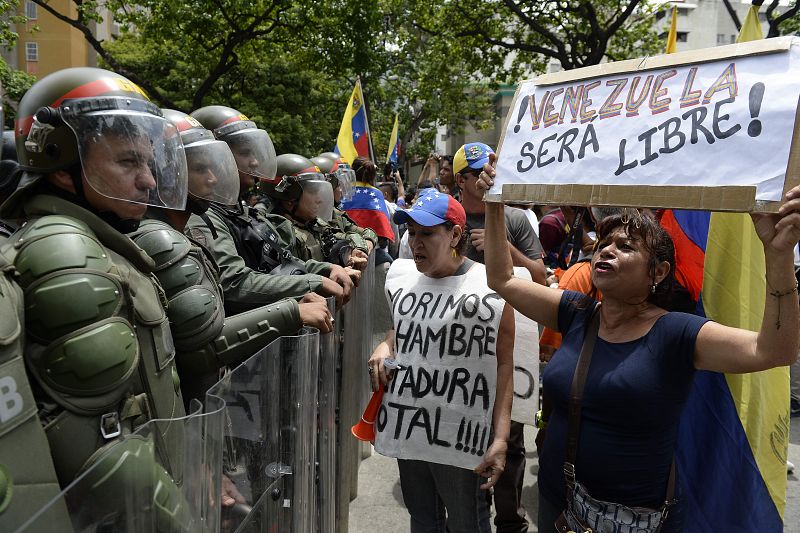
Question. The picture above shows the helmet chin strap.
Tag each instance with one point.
(196, 205)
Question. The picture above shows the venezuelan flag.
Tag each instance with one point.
(733, 438)
(394, 144)
(368, 209)
(353, 139)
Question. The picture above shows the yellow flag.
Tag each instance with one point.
(672, 38)
(733, 294)
(751, 28)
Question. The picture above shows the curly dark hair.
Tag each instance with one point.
(654, 240)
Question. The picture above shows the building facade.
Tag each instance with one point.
(56, 44)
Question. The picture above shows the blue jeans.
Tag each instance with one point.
(442, 498)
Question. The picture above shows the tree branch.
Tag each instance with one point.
(732, 13)
(79, 25)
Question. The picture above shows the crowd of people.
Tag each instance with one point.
(144, 251)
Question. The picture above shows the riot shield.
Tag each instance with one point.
(129, 488)
(270, 429)
(326, 480)
(354, 388)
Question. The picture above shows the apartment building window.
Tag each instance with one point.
(30, 10)
(722, 39)
(681, 36)
(32, 51)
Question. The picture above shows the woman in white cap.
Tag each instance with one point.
(448, 368)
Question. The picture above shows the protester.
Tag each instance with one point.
(441, 480)
(368, 208)
(644, 358)
(526, 252)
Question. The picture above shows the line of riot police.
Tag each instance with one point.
(136, 288)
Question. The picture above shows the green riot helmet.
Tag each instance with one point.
(252, 148)
(127, 150)
(299, 182)
(213, 175)
(339, 173)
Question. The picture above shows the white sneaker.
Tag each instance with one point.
(789, 467)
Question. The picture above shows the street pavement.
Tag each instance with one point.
(379, 505)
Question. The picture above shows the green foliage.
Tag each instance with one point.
(9, 18)
(791, 26)
(291, 65)
(15, 83)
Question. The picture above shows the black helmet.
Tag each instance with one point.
(88, 115)
(211, 165)
(338, 171)
(252, 148)
(299, 179)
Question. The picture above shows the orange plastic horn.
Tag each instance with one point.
(365, 429)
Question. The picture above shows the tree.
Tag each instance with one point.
(14, 82)
(573, 33)
(206, 36)
(786, 22)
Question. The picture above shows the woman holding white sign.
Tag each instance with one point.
(608, 455)
(446, 411)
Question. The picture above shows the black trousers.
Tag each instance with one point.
(509, 512)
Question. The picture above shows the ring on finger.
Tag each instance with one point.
(370, 370)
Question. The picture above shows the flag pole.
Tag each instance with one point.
(366, 113)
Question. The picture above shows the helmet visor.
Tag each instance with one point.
(317, 198)
(212, 172)
(254, 153)
(133, 156)
(346, 177)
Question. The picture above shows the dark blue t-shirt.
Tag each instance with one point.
(632, 400)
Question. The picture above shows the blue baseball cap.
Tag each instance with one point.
(431, 209)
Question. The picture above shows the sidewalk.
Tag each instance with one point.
(379, 506)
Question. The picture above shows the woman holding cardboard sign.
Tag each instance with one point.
(446, 412)
(625, 367)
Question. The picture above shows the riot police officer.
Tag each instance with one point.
(256, 264)
(95, 153)
(341, 177)
(302, 194)
(205, 338)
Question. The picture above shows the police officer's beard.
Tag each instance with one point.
(122, 225)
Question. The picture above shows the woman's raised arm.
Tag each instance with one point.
(724, 349)
(533, 300)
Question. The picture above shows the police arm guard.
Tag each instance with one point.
(242, 335)
(27, 478)
(127, 486)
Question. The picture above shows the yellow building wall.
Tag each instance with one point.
(60, 45)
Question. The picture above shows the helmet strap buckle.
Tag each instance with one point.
(37, 136)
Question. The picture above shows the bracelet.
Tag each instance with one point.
(779, 294)
(539, 420)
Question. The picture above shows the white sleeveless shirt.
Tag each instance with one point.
(439, 406)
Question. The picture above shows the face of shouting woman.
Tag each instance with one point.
(432, 247)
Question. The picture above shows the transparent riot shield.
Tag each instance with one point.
(326, 443)
(270, 431)
(145, 484)
(354, 388)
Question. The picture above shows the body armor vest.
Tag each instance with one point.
(206, 340)
(258, 243)
(99, 349)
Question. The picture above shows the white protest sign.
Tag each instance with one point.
(687, 132)
(526, 364)
(438, 406)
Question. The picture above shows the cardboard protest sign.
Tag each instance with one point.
(708, 129)
(438, 406)
(526, 364)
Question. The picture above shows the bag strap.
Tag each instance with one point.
(575, 398)
(576, 395)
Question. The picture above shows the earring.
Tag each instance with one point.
(453, 252)
(653, 288)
